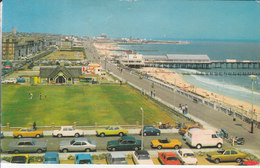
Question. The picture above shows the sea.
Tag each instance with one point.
(238, 87)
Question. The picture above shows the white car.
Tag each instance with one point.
(142, 157)
(11, 80)
(186, 156)
(68, 131)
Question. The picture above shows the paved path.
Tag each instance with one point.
(216, 119)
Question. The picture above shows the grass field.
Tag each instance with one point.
(63, 105)
(64, 55)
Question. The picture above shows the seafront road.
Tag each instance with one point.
(213, 117)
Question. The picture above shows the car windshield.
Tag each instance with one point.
(107, 128)
(18, 159)
(118, 159)
(188, 155)
(171, 158)
(221, 151)
(85, 161)
(50, 159)
(89, 141)
(143, 157)
(72, 142)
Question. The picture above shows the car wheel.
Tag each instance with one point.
(121, 134)
(113, 149)
(76, 135)
(16, 151)
(198, 146)
(219, 145)
(102, 134)
(136, 148)
(145, 134)
(87, 150)
(238, 160)
(19, 136)
(158, 133)
(159, 147)
(64, 150)
(59, 135)
(176, 147)
(39, 151)
(217, 161)
(37, 136)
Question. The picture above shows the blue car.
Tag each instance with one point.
(150, 130)
(51, 158)
(83, 159)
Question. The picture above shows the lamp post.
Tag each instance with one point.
(142, 147)
(252, 77)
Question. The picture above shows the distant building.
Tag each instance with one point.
(14, 31)
(188, 58)
(133, 60)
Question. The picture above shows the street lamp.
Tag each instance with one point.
(142, 147)
(252, 77)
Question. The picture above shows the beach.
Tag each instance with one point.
(173, 78)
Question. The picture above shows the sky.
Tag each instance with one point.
(150, 19)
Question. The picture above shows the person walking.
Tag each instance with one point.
(154, 93)
(34, 125)
(180, 106)
(151, 93)
(40, 96)
(31, 95)
(183, 109)
(186, 109)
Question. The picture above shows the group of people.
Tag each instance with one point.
(184, 108)
(153, 93)
(31, 96)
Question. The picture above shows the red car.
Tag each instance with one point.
(249, 163)
(168, 158)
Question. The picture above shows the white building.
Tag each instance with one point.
(133, 60)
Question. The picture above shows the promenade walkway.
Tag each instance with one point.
(213, 118)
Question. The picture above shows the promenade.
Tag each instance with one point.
(214, 118)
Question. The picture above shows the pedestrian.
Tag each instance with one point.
(186, 109)
(31, 95)
(180, 106)
(45, 96)
(40, 96)
(154, 93)
(34, 125)
(120, 82)
(183, 109)
(151, 93)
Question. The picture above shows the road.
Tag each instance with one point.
(213, 117)
(53, 142)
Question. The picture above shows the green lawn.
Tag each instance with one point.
(104, 104)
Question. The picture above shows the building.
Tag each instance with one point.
(133, 60)
(60, 74)
(188, 58)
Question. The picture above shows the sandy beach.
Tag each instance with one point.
(173, 78)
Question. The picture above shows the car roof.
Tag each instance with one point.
(66, 127)
(186, 150)
(81, 139)
(142, 152)
(25, 127)
(83, 156)
(117, 155)
(128, 138)
(26, 155)
(51, 154)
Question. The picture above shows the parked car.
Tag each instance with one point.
(186, 128)
(249, 163)
(27, 132)
(150, 130)
(20, 80)
(186, 156)
(51, 158)
(77, 145)
(168, 158)
(116, 158)
(22, 159)
(27, 145)
(124, 143)
(142, 157)
(226, 155)
(112, 130)
(83, 159)
(201, 138)
(166, 143)
(11, 80)
(67, 131)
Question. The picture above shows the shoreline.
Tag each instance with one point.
(173, 78)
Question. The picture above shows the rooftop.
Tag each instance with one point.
(188, 57)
